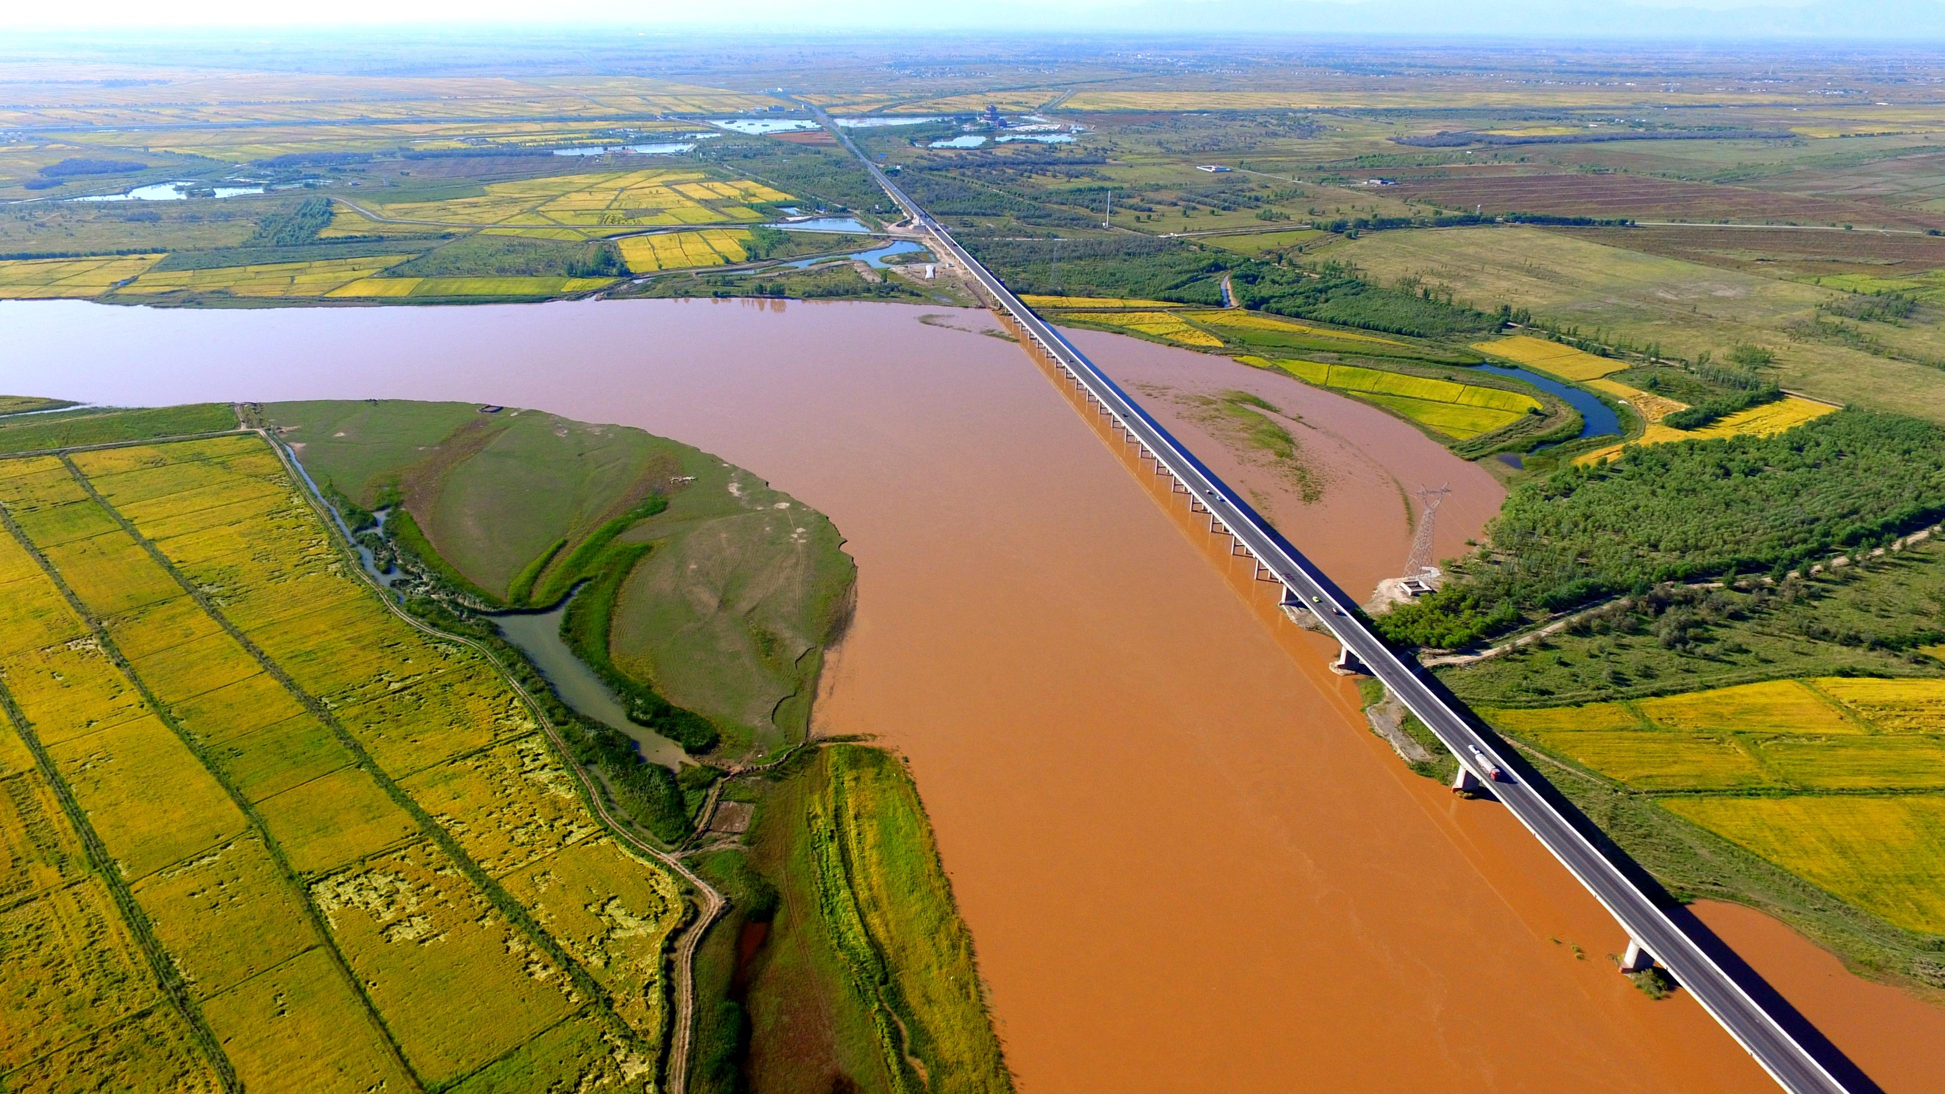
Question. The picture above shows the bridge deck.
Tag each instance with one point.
(1748, 1022)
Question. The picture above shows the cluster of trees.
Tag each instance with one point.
(1336, 294)
(1132, 266)
(1688, 512)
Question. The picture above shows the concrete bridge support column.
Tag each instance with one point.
(1347, 664)
(1465, 781)
(1637, 959)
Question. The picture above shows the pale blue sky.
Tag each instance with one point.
(1537, 18)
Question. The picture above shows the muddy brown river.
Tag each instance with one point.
(1184, 860)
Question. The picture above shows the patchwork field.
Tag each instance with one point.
(277, 279)
(359, 816)
(46, 279)
(1837, 776)
(675, 250)
(615, 200)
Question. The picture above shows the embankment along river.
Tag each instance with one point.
(1185, 861)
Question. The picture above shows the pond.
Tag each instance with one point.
(879, 122)
(757, 127)
(175, 191)
(822, 224)
(637, 149)
(1596, 417)
(873, 258)
(538, 635)
(969, 141)
(1042, 138)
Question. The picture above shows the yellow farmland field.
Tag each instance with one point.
(1592, 716)
(1658, 761)
(1652, 407)
(1250, 320)
(1159, 324)
(271, 760)
(1778, 706)
(388, 288)
(71, 690)
(1458, 410)
(1545, 356)
(1857, 763)
(620, 199)
(478, 992)
(40, 846)
(336, 820)
(1096, 303)
(299, 1027)
(72, 967)
(1893, 706)
(614, 910)
(50, 278)
(1886, 855)
(508, 806)
(153, 1051)
(456, 982)
(111, 573)
(226, 915)
(114, 775)
(677, 250)
(49, 525)
(1760, 421)
(277, 279)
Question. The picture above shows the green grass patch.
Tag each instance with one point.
(73, 428)
(889, 909)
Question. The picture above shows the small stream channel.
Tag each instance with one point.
(538, 635)
(1596, 417)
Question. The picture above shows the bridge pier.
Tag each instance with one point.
(1637, 959)
(1465, 782)
(1347, 664)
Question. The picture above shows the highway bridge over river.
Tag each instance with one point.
(1653, 936)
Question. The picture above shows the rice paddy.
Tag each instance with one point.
(615, 200)
(55, 278)
(1544, 356)
(359, 817)
(279, 279)
(1762, 421)
(677, 250)
(1835, 779)
(1455, 410)
(1154, 323)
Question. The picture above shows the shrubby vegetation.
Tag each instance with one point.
(1682, 512)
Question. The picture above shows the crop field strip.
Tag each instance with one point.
(56, 601)
(1835, 779)
(677, 250)
(206, 936)
(166, 633)
(432, 869)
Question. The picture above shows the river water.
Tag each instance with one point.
(1185, 862)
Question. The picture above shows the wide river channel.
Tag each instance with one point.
(1186, 862)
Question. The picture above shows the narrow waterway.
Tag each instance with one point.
(1184, 860)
